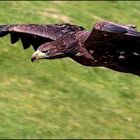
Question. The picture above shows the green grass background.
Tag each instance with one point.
(61, 98)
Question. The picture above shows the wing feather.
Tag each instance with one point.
(36, 35)
(25, 42)
(107, 32)
(14, 38)
(115, 46)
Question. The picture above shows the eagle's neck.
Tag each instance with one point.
(84, 57)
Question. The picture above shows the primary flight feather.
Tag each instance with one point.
(108, 44)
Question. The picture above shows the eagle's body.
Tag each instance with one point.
(108, 44)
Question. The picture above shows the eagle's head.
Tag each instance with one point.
(52, 50)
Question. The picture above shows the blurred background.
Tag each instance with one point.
(61, 98)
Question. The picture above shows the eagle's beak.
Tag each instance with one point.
(33, 59)
(38, 55)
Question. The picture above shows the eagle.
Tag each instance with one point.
(111, 45)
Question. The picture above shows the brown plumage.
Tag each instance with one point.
(108, 44)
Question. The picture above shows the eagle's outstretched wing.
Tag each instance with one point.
(36, 35)
(107, 32)
(115, 46)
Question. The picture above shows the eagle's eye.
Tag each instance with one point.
(44, 51)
